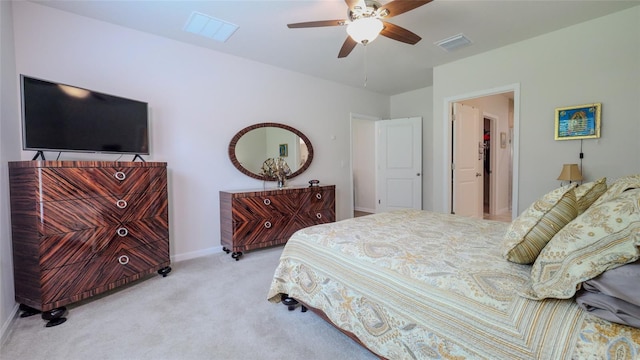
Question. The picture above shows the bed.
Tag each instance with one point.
(414, 284)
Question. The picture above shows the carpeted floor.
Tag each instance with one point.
(207, 308)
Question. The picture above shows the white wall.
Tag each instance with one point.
(420, 103)
(595, 61)
(9, 149)
(198, 98)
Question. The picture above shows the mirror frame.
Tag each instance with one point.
(236, 163)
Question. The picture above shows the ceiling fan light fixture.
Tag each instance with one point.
(365, 30)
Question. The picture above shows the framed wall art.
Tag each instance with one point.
(284, 150)
(578, 122)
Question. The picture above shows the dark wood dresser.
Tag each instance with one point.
(256, 219)
(81, 228)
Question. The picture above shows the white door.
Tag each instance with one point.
(399, 164)
(468, 152)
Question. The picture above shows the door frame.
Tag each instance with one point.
(493, 143)
(447, 143)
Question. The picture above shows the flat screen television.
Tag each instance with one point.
(59, 117)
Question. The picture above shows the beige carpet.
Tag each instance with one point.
(207, 308)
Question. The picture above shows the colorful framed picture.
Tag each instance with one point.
(578, 122)
(284, 150)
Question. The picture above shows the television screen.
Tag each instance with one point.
(59, 117)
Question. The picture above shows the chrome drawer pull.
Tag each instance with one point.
(267, 224)
(267, 202)
(120, 175)
(318, 196)
(123, 259)
(122, 232)
(319, 216)
(121, 204)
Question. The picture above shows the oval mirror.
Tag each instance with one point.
(257, 145)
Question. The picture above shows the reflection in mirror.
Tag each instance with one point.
(252, 146)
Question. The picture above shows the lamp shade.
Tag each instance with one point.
(364, 30)
(570, 172)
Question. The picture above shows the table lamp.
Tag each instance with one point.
(570, 172)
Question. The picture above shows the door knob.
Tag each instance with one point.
(478, 174)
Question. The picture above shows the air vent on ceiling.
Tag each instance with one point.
(454, 43)
(210, 27)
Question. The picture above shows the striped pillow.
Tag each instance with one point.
(533, 229)
(587, 193)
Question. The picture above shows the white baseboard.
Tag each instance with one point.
(196, 254)
(5, 330)
(365, 210)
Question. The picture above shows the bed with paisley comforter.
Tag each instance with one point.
(414, 284)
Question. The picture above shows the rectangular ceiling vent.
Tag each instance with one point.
(454, 43)
(210, 27)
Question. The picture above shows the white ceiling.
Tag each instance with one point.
(390, 67)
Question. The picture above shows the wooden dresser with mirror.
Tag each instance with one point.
(259, 218)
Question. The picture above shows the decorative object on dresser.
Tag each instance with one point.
(260, 218)
(81, 228)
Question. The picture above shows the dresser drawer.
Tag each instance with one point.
(247, 232)
(68, 248)
(318, 216)
(261, 207)
(319, 199)
(70, 183)
(80, 280)
(70, 215)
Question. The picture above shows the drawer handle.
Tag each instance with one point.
(318, 196)
(267, 224)
(267, 202)
(121, 204)
(120, 175)
(123, 259)
(319, 216)
(122, 232)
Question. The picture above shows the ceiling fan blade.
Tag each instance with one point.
(398, 7)
(320, 23)
(356, 4)
(347, 47)
(398, 33)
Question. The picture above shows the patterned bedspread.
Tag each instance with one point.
(415, 284)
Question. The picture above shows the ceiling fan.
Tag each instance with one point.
(366, 19)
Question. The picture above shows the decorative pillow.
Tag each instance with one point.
(619, 186)
(587, 193)
(603, 237)
(533, 229)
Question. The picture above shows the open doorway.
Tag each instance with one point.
(363, 186)
(492, 148)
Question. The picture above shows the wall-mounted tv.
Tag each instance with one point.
(59, 117)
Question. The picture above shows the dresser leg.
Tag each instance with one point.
(165, 271)
(236, 255)
(55, 317)
(224, 248)
(28, 311)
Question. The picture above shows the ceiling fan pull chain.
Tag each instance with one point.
(365, 66)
